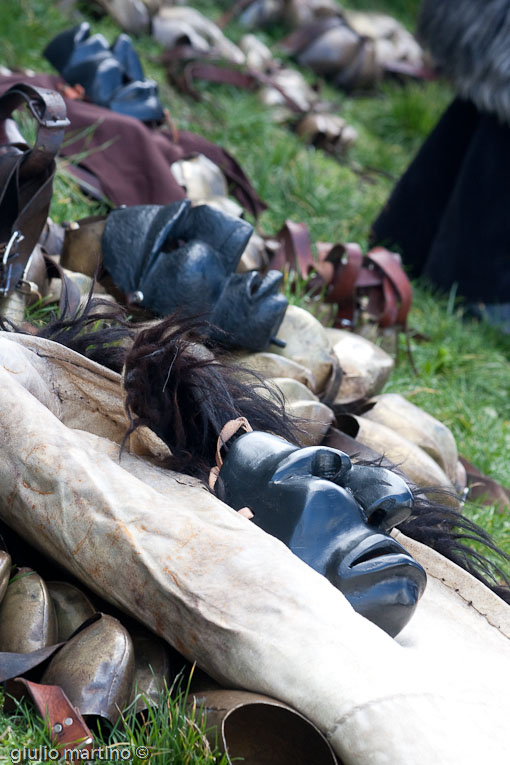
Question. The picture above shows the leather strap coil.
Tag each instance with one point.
(26, 177)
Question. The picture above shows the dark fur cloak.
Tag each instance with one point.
(470, 42)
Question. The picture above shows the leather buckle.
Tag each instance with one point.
(10, 252)
(32, 103)
(45, 122)
(26, 287)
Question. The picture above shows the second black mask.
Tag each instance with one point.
(183, 258)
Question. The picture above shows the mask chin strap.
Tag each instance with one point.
(228, 430)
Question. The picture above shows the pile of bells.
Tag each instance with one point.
(79, 666)
(333, 378)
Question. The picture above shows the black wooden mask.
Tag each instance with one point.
(333, 515)
(183, 258)
(112, 76)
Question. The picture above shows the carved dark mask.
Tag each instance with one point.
(111, 76)
(184, 258)
(333, 515)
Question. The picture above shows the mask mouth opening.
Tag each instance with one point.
(372, 555)
(380, 551)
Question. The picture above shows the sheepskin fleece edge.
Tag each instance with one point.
(469, 40)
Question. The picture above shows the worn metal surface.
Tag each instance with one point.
(328, 130)
(27, 616)
(226, 594)
(398, 450)
(153, 671)
(81, 250)
(201, 178)
(72, 607)
(261, 731)
(366, 367)
(314, 420)
(96, 668)
(307, 343)
(419, 427)
(272, 365)
(173, 23)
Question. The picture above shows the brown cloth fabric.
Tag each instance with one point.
(131, 160)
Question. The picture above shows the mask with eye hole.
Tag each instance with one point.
(183, 258)
(333, 515)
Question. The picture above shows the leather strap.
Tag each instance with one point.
(48, 109)
(13, 664)
(297, 41)
(349, 276)
(483, 487)
(347, 259)
(295, 249)
(26, 178)
(228, 430)
(329, 393)
(389, 263)
(67, 726)
(206, 68)
(419, 72)
(249, 79)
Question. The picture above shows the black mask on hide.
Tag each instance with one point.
(183, 258)
(333, 515)
(111, 76)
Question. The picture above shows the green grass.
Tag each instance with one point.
(406, 11)
(464, 381)
(463, 377)
(173, 730)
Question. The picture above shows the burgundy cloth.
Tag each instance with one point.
(132, 161)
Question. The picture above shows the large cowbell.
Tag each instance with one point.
(333, 515)
(183, 258)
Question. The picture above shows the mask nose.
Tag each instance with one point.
(331, 464)
(384, 496)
